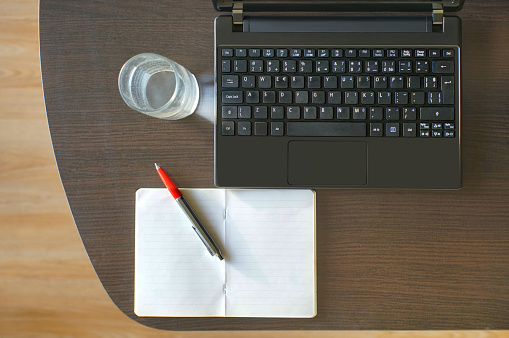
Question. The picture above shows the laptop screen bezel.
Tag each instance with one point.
(338, 5)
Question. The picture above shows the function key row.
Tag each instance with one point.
(334, 52)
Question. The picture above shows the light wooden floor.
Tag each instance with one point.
(47, 284)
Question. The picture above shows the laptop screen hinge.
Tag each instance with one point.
(238, 16)
(438, 17)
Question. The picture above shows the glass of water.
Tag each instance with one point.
(158, 86)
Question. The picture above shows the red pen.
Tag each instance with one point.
(198, 227)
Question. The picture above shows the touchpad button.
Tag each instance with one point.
(327, 163)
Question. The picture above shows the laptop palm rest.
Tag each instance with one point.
(327, 163)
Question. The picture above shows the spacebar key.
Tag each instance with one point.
(326, 129)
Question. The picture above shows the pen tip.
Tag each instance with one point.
(157, 166)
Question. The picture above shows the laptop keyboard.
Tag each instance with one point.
(278, 92)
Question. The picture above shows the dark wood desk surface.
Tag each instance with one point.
(387, 259)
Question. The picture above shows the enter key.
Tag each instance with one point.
(447, 87)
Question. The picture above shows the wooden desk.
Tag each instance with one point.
(387, 259)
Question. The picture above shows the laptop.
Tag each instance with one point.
(338, 94)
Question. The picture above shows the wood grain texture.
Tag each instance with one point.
(48, 287)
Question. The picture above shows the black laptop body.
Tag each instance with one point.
(338, 94)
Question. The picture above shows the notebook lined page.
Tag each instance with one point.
(174, 273)
(270, 238)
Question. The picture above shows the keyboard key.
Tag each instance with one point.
(442, 67)
(384, 97)
(343, 113)
(388, 66)
(434, 53)
(378, 53)
(244, 128)
(229, 112)
(314, 81)
(337, 53)
(323, 53)
(248, 81)
(447, 87)
(285, 96)
(241, 52)
(269, 96)
(364, 53)
(392, 129)
(409, 130)
(397, 82)
(409, 114)
(293, 112)
(305, 66)
(272, 66)
(276, 129)
(417, 98)
(264, 81)
(281, 81)
(230, 81)
(355, 67)
(338, 66)
(256, 66)
(392, 113)
(282, 53)
(351, 97)
(309, 53)
(359, 113)
(326, 113)
(350, 53)
(252, 96)
(310, 113)
(405, 67)
(227, 128)
(368, 97)
(289, 66)
(347, 82)
(448, 53)
(406, 53)
(260, 112)
(318, 97)
(225, 66)
(375, 129)
(227, 52)
(330, 82)
(244, 112)
(277, 113)
(240, 66)
(254, 52)
(376, 113)
(326, 128)
(392, 53)
(268, 53)
(435, 98)
(437, 113)
(295, 53)
(420, 53)
(231, 96)
(260, 128)
(297, 81)
(322, 66)
(380, 82)
(301, 96)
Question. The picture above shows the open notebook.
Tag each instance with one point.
(266, 236)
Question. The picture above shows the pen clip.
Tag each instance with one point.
(209, 249)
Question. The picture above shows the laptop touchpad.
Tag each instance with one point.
(323, 163)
